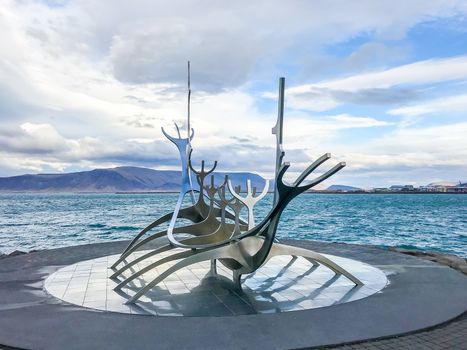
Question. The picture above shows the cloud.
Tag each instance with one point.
(442, 105)
(323, 99)
(42, 143)
(415, 155)
(152, 41)
(88, 84)
(159, 55)
(422, 72)
(32, 138)
(376, 96)
(446, 142)
(371, 55)
(346, 121)
(380, 87)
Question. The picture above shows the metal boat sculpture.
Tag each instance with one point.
(217, 232)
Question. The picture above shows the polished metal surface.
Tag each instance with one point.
(283, 284)
(250, 199)
(277, 130)
(242, 247)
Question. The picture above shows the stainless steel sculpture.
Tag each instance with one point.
(242, 246)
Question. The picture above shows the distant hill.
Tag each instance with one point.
(120, 179)
(343, 188)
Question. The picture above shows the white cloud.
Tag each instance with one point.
(151, 41)
(346, 121)
(418, 73)
(456, 103)
(445, 142)
(301, 130)
(88, 83)
(326, 95)
(416, 155)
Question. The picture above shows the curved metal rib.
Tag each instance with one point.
(280, 249)
(234, 204)
(201, 227)
(138, 245)
(209, 224)
(193, 214)
(190, 213)
(249, 200)
(225, 252)
(143, 257)
(319, 179)
(311, 168)
(184, 147)
(206, 226)
(224, 230)
(158, 222)
(218, 235)
(202, 174)
(176, 140)
(177, 256)
(286, 193)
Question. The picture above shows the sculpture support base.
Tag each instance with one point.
(286, 282)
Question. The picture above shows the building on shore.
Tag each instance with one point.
(460, 188)
(437, 187)
(401, 188)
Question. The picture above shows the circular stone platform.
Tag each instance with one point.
(285, 283)
(419, 294)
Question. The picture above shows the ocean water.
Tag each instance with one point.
(428, 222)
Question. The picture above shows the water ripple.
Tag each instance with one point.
(430, 222)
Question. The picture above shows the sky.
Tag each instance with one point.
(381, 85)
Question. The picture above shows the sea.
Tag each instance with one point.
(433, 222)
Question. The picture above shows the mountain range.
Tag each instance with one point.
(120, 179)
(343, 188)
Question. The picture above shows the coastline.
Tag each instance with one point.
(269, 192)
(452, 260)
(378, 193)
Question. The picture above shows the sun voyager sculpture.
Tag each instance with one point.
(217, 232)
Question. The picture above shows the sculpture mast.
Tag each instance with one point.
(188, 133)
(277, 130)
(188, 128)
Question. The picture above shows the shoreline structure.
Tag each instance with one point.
(176, 192)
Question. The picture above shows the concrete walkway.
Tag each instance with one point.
(421, 294)
(449, 336)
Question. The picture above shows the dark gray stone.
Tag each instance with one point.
(453, 261)
(17, 252)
